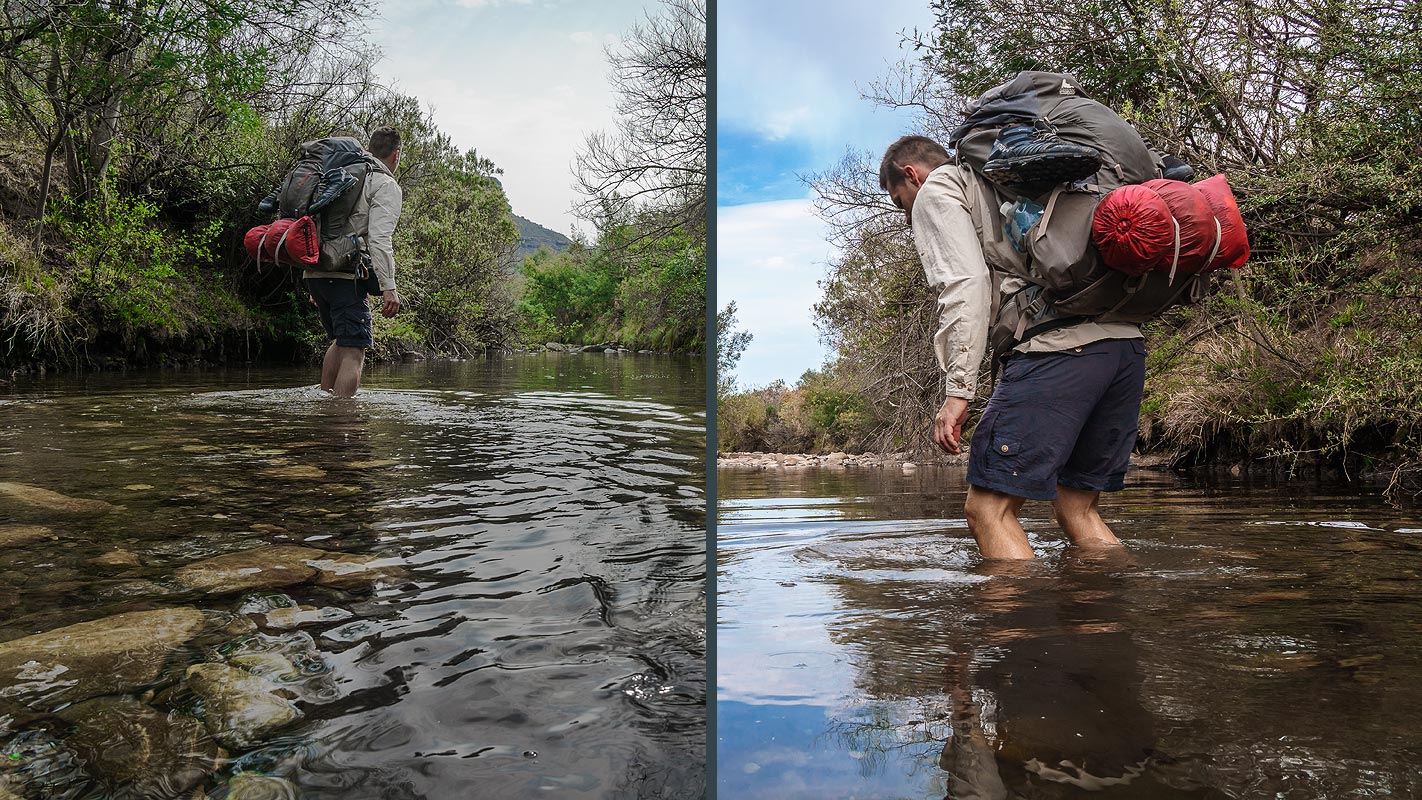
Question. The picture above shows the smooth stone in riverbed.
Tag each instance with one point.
(249, 786)
(38, 499)
(103, 656)
(239, 708)
(115, 558)
(275, 566)
(273, 666)
(380, 462)
(296, 471)
(16, 535)
(259, 568)
(353, 570)
(287, 618)
(150, 753)
(130, 589)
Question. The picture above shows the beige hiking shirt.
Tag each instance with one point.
(955, 255)
(374, 216)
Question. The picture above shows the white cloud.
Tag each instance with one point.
(769, 260)
(488, 3)
(796, 68)
(782, 124)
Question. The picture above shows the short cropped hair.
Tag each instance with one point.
(919, 150)
(384, 141)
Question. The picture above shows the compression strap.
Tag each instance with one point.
(1175, 259)
(1219, 237)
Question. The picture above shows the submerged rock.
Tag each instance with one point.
(352, 570)
(239, 708)
(373, 464)
(260, 568)
(273, 666)
(295, 617)
(130, 589)
(37, 499)
(150, 754)
(115, 558)
(296, 471)
(249, 786)
(17, 535)
(104, 656)
(284, 565)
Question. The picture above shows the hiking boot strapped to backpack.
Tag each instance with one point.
(1039, 131)
(1031, 154)
(314, 203)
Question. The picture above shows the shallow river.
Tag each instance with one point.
(526, 618)
(1257, 641)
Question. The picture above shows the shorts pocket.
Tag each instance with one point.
(1004, 443)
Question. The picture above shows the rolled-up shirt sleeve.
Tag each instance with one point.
(953, 261)
(385, 203)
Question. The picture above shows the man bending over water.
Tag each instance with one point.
(1061, 423)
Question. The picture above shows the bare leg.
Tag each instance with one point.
(330, 364)
(350, 362)
(992, 519)
(1077, 513)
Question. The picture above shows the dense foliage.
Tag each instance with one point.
(650, 293)
(141, 136)
(643, 285)
(1311, 107)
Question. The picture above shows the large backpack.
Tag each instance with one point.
(314, 205)
(1062, 277)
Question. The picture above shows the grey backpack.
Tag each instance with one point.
(1067, 282)
(325, 184)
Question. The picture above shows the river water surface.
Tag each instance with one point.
(537, 629)
(1257, 641)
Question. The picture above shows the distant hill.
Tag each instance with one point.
(533, 236)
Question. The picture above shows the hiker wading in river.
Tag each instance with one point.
(1061, 422)
(340, 296)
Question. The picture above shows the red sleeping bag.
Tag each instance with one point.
(1234, 241)
(1132, 229)
(1171, 226)
(286, 241)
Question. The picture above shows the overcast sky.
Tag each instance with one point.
(522, 81)
(788, 81)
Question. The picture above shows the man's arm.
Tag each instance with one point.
(385, 203)
(953, 262)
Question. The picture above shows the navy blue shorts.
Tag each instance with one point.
(1064, 418)
(345, 313)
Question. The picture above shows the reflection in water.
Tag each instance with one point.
(1254, 641)
(1053, 662)
(475, 580)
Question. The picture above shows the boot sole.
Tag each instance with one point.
(1042, 168)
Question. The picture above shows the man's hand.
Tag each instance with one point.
(948, 425)
(390, 302)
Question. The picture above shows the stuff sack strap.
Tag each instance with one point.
(282, 241)
(1174, 259)
(1219, 237)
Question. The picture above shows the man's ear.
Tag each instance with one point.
(914, 174)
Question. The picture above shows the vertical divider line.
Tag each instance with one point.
(711, 444)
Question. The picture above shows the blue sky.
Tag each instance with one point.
(523, 81)
(789, 76)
